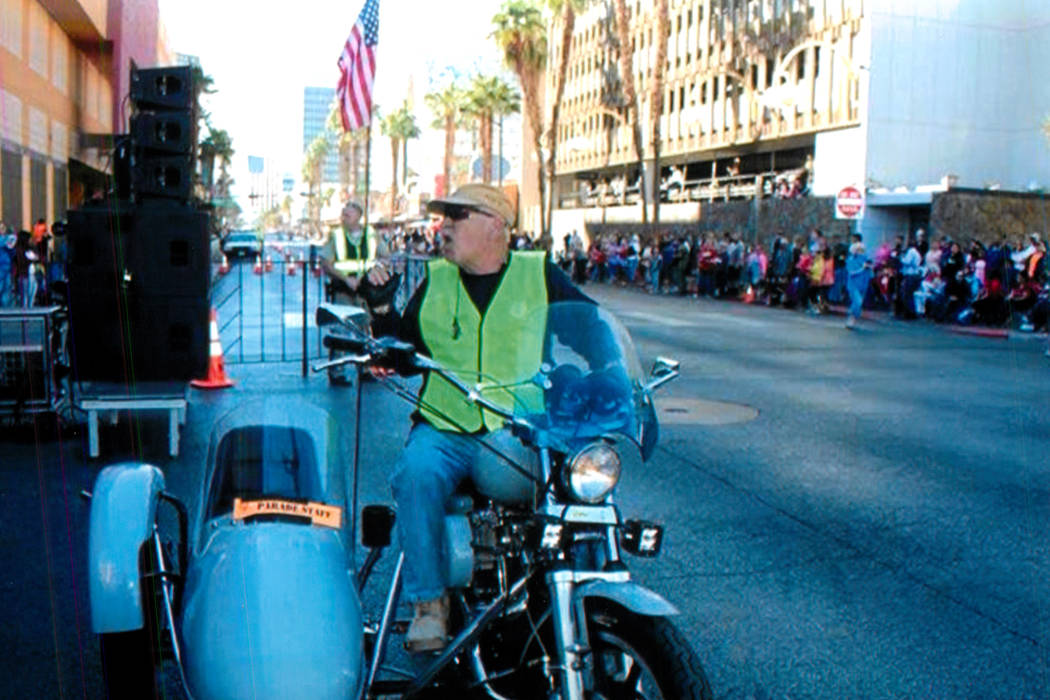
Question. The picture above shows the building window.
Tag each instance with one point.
(59, 142)
(800, 66)
(38, 131)
(11, 118)
(11, 27)
(60, 63)
(38, 29)
(11, 179)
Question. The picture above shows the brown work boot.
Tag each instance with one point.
(429, 626)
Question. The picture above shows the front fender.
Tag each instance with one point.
(630, 595)
(123, 512)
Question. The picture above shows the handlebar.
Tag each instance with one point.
(366, 349)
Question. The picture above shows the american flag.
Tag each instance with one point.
(357, 68)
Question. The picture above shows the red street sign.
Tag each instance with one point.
(849, 203)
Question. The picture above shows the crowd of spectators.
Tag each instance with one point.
(30, 262)
(999, 283)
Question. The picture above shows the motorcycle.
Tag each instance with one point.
(267, 603)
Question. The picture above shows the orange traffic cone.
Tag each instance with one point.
(749, 295)
(224, 266)
(269, 263)
(257, 268)
(216, 378)
(291, 266)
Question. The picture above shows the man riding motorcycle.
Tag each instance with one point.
(469, 314)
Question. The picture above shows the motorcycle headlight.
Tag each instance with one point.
(593, 472)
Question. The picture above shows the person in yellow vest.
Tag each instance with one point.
(348, 251)
(469, 312)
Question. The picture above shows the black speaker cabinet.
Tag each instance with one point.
(166, 132)
(162, 88)
(162, 176)
(169, 253)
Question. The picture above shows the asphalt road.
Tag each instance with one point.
(850, 514)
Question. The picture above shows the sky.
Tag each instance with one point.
(262, 54)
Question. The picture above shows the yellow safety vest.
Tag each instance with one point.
(503, 346)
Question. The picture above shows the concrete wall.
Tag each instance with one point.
(840, 159)
(955, 88)
(756, 220)
(134, 27)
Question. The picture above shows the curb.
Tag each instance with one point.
(980, 332)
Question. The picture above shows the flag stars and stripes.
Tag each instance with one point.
(357, 69)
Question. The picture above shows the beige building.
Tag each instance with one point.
(747, 86)
(60, 61)
(767, 98)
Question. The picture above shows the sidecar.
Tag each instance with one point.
(256, 596)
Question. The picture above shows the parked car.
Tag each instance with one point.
(242, 243)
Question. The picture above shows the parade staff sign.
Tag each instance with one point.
(316, 513)
(849, 203)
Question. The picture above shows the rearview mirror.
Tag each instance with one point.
(664, 370)
(324, 316)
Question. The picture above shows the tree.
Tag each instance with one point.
(567, 9)
(489, 97)
(218, 148)
(630, 95)
(656, 96)
(448, 106)
(313, 168)
(521, 34)
(398, 126)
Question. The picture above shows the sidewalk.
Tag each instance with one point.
(887, 317)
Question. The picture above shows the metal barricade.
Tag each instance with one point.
(32, 347)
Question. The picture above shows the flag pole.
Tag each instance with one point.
(368, 172)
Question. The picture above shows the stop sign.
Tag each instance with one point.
(849, 203)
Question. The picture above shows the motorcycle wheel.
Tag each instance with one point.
(641, 658)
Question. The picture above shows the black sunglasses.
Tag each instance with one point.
(458, 212)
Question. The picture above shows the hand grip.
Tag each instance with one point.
(379, 296)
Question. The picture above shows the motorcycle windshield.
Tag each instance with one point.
(585, 381)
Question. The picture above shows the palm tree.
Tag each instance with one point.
(313, 166)
(489, 98)
(521, 34)
(448, 106)
(505, 101)
(398, 126)
(567, 9)
(630, 96)
(656, 96)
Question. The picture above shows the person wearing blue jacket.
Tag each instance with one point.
(858, 271)
(7, 258)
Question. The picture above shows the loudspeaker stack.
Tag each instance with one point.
(139, 261)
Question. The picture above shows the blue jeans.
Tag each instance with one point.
(427, 473)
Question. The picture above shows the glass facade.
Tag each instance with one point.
(317, 103)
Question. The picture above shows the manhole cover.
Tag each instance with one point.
(672, 410)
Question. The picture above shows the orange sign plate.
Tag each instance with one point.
(317, 513)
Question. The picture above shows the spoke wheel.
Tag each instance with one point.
(641, 658)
